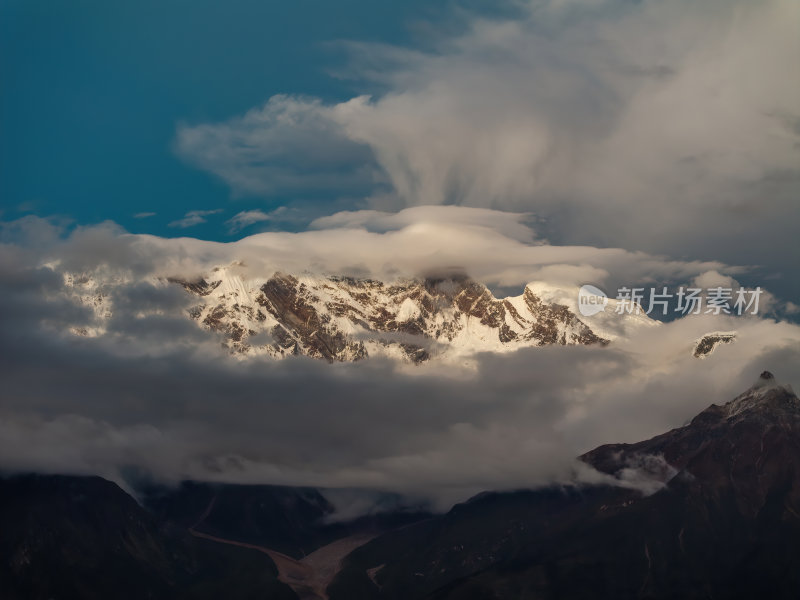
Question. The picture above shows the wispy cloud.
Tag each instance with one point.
(144, 215)
(194, 217)
(250, 217)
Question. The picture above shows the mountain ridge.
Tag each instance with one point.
(342, 318)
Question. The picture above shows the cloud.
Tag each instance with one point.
(291, 143)
(144, 215)
(516, 226)
(246, 218)
(499, 249)
(668, 128)
(161, 394)
(189, 411)
(194, 217)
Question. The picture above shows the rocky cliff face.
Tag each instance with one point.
(346, 319)
(341, 318)
(706, 345)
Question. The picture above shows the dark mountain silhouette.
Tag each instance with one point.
(708, 510)
(84, 537)
(726, 523)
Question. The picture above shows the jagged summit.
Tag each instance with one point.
(706, 345)
(441, 315)
(765, 394)
(340, 318)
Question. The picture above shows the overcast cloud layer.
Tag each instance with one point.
(157, 394)
(669, 127)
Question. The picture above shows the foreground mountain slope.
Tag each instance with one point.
(749, 446)
(720, 518)
(84, 538)
(725, 525)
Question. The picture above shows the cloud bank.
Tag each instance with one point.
(158, 394)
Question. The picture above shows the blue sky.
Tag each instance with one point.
(93, 92)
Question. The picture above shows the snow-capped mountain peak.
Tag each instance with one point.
(765, 393)
(341, 318)
(344, 318)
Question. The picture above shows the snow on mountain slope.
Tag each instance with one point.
(342, 318)
(346, 319)
(766, 394)
(608, 323)
(706, 345)
(88, 292)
